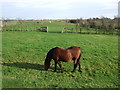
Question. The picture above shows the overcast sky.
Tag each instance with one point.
(58, 9)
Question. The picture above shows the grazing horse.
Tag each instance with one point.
(65, 55)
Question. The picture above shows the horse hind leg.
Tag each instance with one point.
(75, 65)
(78, 62)
(79, 70)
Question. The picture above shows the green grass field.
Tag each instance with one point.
(54, 26)
(24, 53)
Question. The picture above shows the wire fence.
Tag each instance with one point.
(64, 27)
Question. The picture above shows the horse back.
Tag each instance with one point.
(67, 54)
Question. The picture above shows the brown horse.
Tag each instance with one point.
(65, 55)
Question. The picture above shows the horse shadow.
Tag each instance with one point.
(26, 66)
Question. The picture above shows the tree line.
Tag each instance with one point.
(103, 24)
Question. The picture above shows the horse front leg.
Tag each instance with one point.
(60, 65)
(55, 66)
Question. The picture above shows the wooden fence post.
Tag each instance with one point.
(80, 30)
(77, 26)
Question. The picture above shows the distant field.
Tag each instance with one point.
(53, 26)
(24, 54)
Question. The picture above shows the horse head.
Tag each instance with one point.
(47, 63)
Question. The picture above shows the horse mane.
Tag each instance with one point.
(52, 49)
(51, 52)
(72, 47)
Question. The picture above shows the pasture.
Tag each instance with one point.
(24, 53)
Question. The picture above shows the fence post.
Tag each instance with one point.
(80, 30)
(77, 26)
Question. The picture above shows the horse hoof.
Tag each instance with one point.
(72, 71)
(79, 71)
(61, 71)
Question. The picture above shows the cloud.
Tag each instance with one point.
(58, 1)
(61, 8)
(59, 4)
(51, 4)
